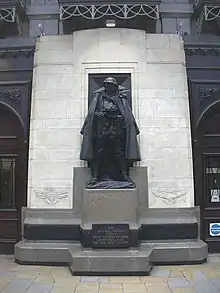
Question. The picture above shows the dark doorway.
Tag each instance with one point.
(208, 175)
(96, 82)
(203, 71)
(12, 177)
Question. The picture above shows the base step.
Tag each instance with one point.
(176, 252)
(111, 262)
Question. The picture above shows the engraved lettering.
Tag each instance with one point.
(110, 236)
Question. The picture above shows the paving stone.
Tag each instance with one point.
(45, 269)
(25, 268)
(62, 289)
(195, 267)
(160, 272)
(212, 273)
(194, 275)
(68, 280)
(87, 287)
(4, 273)
(111, 291)
(152, 280)
(175, 273)
(204, 286)
(157, 288)
(183, 290)
(163, 279)
(39, 288)
(86, 279)
(118, 280)
(178, 283)
(45, 278)
(4, 281)
(215, 282)
(27, 275)
(17, 286)
(60, 271)
(110, 287)
(134, 288)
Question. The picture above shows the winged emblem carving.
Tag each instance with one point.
(169, 197)
(51, 195)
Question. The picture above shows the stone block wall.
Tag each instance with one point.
(160, 104)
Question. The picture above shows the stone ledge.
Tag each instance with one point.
(164, 252)
(111, 262)
(46, 224)
(149, 216)
(179, 252)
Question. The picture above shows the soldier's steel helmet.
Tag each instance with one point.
(110, 80)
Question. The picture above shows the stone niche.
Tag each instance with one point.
(156, 64)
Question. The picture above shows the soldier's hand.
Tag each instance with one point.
(99, 114)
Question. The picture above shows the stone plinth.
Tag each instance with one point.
(110, 218)
(109, 206)
(167, 236)
(111, 262)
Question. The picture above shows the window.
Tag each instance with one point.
(7, 182)
(213, 179)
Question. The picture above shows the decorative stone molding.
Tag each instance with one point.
(210, 8)
(17, 52)
(211, 12)
(12, 94)
(51, 196)
(202, 51)
(206, 93)
(122, 11)
(169, 197)
(205, 10)
(11, 9)
(8, 14)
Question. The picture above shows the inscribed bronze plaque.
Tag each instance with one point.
(110, 236)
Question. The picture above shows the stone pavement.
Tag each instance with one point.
(203, 278)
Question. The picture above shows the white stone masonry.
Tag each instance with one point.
(160, 104)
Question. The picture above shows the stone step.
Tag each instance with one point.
(111, 262)
(158, 252)
(41, 252)
(178, 252)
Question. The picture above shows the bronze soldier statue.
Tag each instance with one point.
(110, 137)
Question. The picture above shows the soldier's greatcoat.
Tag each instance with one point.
(132, 151)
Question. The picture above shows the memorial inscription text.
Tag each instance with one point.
(110, 236)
